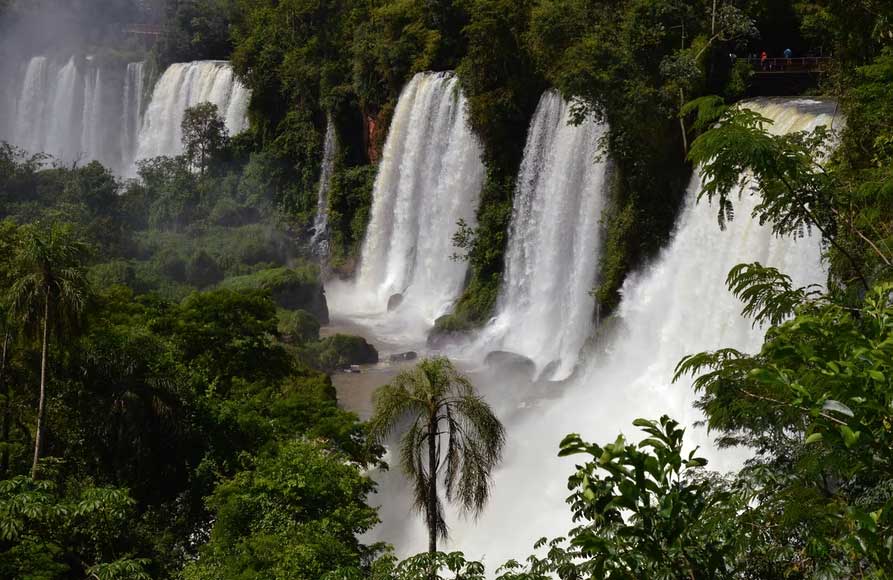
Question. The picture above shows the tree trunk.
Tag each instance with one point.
(682, 123)
(7, 407)
(432, 485)
(41, 403)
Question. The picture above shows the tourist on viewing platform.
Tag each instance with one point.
(763, 60)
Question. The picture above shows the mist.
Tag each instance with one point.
(31, 27)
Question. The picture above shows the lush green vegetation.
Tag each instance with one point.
(160, 361)
(164, 407)
(632, 63)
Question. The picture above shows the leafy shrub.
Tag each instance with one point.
(227, 212)
(291, 289)
(350, 200)
(298, 326)
(113, 273)
(341, 351)
(203, 270)
(171, 263)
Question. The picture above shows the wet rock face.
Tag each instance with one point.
(343, 351)
(290, 289)
(550, 369)
(394, 301)
(439, 339)
(309, 296)
(371, 138)
(404, 356)
(511, 361)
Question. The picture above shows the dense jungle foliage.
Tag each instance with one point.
(164, 407)
(174, 331)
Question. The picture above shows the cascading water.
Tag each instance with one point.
(185, 85)
(676, 306)
(319, 242)
(545, 309)
(63, 139)
(66, 111)
(30, 125)
(134, 81)
(430, 177)
(91, 132)
(236, 117)
(80, 109)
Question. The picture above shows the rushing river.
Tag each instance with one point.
(675, 306)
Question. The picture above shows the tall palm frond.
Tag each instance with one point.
(49, 265)
(433, 402)
(49, 291)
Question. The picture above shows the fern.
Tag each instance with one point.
(708, 111)
(768, 294)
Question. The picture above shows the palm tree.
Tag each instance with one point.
(7, 393)
(49, 292)
(451, 434)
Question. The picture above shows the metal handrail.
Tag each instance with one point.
(794, 64)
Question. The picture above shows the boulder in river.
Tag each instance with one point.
(512, 361)
(344, 351)
(448, 330)
(404, 356)
(549, 370)
(394, 301)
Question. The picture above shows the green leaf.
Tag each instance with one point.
(849, 436)
(837, 407)
(764, 375)
(653, 442)
(814, 438)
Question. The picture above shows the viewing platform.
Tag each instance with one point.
(800, 65)
(778, 77)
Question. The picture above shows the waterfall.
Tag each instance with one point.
(63, 139)
(236, 117)
(319, 242)
(185, 85)
(85, 110)
(675, 306)
(429, 178)
(91, 135)
(132, 108)
(30, 126)
(545, 308)
(60, 110)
